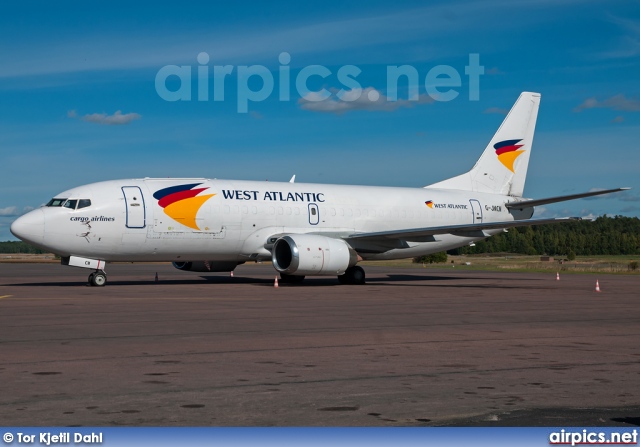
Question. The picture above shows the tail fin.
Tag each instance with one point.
(502, 168)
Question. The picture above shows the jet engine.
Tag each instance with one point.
(309, 254)
(206, 266)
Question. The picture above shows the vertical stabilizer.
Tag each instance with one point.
(502, 168)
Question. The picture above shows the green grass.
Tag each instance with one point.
(523, 263)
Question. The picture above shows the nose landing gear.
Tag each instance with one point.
(98, 278)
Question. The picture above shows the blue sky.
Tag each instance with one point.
(78, 101)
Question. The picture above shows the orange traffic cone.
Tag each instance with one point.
(275, 283)
(597, 286)
(156, 276)
(557, 276)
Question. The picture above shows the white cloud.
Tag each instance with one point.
(9, 211)
(14, 211)
(595, 197)
(368, 99)
(116, 119)
(628, 197)
(630, 209)
(617, 102)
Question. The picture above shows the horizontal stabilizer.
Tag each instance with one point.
(474, 230)
(529, 203)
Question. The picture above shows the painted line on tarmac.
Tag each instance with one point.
(5, 296)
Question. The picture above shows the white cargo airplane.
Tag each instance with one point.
(204, 225)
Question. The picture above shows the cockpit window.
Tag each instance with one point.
(71, 204)
(56, 202)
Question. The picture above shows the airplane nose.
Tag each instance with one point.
(30, 227)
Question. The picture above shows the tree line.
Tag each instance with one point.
(19, 247)
(617, 235)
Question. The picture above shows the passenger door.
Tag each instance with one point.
(476, 210)
(136, 214)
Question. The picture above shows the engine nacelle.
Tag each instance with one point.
(206, 266)
(309, 254)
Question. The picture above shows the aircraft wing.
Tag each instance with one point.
(529, 203)
(471, 230)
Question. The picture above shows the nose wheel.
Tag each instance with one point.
(97, 278)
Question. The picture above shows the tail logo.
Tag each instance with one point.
(182, 202)
(507, 152)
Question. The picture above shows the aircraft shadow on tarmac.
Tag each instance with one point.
(222, 280)
(405, 277)
(393, 280)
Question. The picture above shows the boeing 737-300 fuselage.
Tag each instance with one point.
(305, 229)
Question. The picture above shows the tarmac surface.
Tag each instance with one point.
(412, 347)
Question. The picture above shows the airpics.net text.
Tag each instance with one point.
(256, 83)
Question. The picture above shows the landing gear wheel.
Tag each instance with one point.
(353, 275)
(291, 279)
(98, 279)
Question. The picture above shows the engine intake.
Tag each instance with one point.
(309, 254)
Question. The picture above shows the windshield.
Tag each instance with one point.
(72, 204)
(56, 202)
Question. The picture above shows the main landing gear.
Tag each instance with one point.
(98, 278)
(290, 279)
(353, 275)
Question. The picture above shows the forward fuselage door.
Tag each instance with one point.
(135, 207)
(476, 210)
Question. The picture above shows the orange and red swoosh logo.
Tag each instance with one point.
(507, 152)
(182, 202)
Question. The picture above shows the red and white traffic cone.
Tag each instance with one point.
(156, 276)
(557, 276)
(597, 286)
(275, 283)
